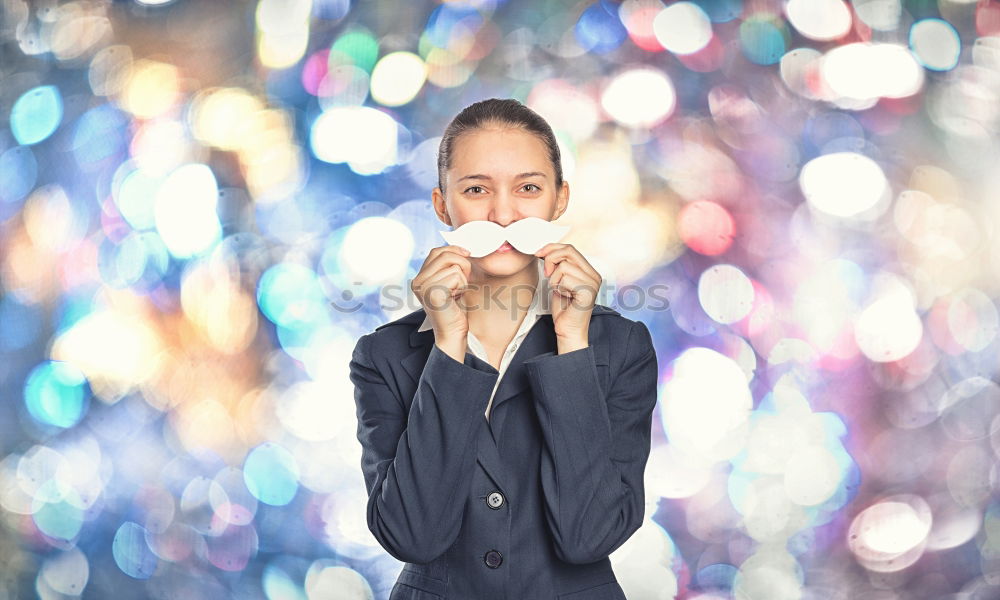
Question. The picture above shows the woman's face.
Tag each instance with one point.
(500, 175)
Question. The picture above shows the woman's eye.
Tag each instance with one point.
(475, 187)
(534, 186)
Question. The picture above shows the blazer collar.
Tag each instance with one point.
(539, 340)
(420, 337)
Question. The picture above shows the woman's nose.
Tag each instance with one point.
(504, 209)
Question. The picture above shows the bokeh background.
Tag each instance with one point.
(203, 204)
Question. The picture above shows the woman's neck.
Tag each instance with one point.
(499, 302)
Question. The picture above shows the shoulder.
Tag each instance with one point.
(392, 337)
(615, 325)
(607, 324)
(626, 340)
(406, 322)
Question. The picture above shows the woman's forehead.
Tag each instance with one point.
(510, 153)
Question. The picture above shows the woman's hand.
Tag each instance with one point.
(439, 284)
(574, 283)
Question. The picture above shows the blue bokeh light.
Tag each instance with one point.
(56, 393)
(271, 474)
(36, 114)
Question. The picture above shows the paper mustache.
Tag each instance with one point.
(483, 237)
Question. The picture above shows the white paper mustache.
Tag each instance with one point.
(483, 237)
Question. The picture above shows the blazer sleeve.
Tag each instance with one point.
(414, 462)
(595, 445)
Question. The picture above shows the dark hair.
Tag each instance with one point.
(503, 112)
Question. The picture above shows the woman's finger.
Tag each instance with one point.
(440, 262)
(570, 279)
(451, 279)
(554, 254)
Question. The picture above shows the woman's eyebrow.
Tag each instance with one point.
(518, 176)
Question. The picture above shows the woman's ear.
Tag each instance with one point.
(562, 200)
(439, 207)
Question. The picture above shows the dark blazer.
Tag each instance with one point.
(528, 504)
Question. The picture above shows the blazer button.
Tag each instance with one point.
(493, 559)
(495, 500)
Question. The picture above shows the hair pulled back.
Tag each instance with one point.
(496, 112)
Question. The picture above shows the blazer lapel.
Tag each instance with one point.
(487, 453)
(540, 340)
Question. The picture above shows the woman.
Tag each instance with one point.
(505, 426)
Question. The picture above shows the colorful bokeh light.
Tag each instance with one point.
(203, 205)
